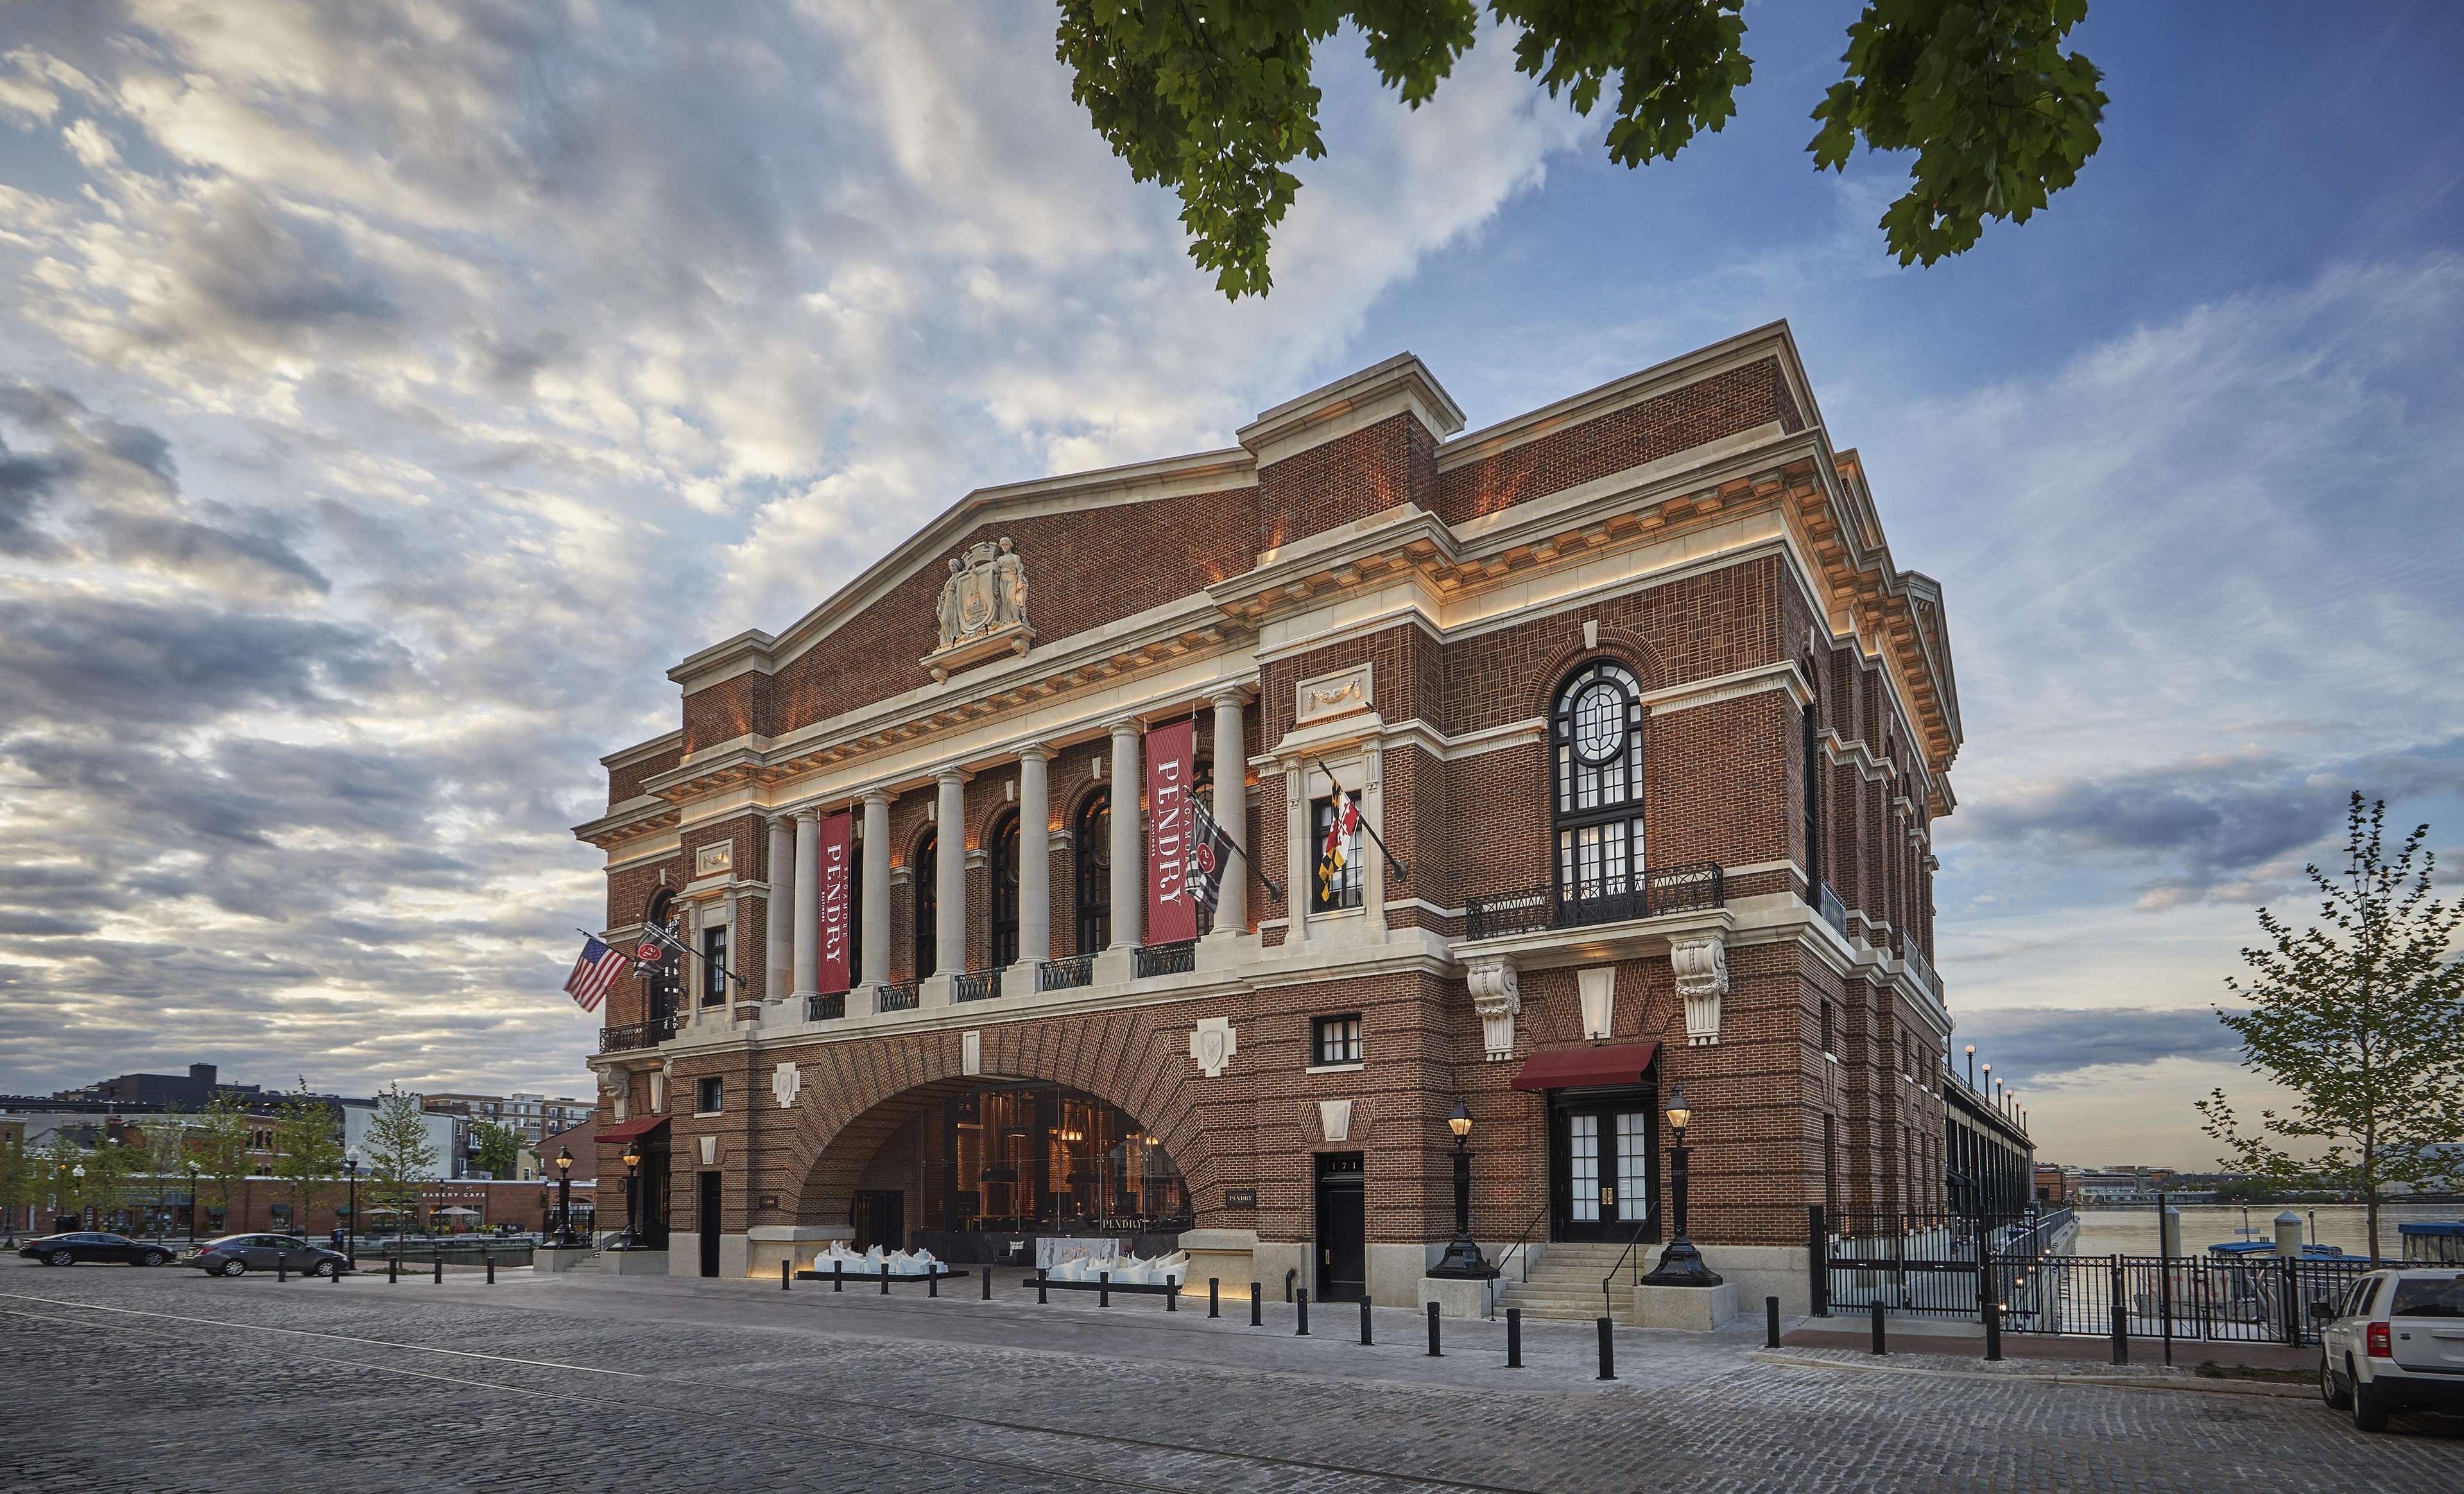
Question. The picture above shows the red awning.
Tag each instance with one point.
(1582, 1068)
(632, 1131)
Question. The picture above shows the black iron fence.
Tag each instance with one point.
(2245, 1299)
(1078, 970)
(899, 995)
(629, 1036)
(1666, 889)
(828, 1008)
(1167, 959)
(1929, 1264)
(976, 986)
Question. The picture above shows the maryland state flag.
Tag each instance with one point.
(1340, 827)
(1210, 857)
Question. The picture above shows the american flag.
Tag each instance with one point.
(593, 973)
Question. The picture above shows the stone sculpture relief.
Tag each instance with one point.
(982, 610)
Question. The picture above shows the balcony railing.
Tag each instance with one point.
(1078, 970)
(825, 1009)
(1167, 959)
(898, 995)
(1834, 911)
(1667, 889)
(977, 985)
(1920, 966)
(636, 1034)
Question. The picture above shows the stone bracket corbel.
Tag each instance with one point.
(1701, 963)
(1497, 995)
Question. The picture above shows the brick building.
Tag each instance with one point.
(1652, 725)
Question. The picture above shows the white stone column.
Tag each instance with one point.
(808, 915)
(949, 887)
(1232, 810)
(1298, 854)
(876, 889)
(1034, 867)
(1128, 837)
(1372, 816)
(779, 962)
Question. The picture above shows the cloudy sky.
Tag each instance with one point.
(387, 395)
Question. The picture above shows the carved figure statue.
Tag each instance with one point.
(982, 607)
(1009, 575)
(953, 597)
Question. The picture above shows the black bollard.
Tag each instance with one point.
(490, 1261)
(1255, 1320)
(1303, 1300)
(1608, 1348)
(1042, 1275)
(1992, 1331)
(885, 1277)
(786, 1270)
(393, 1269)
(338, 1273)
(1214, 1297)
(838, 1276)
(440, 1269)
(1103, 1288)
(1171, 1295)
(1434, 1352)
(2120, 1323)
(932, 1281)
(1514, 1338)
(987, 1283)
(1365, 1337)
(1770, 1323)
(1878, 1329)
(282, 1266)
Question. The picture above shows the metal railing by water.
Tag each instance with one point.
(898, 995)
(828, 1008)
(629, 1036)
(1065, 974)
(1167, 959)
(1668, 889)
(977, 985)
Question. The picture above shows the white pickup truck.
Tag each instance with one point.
(2394, 1341)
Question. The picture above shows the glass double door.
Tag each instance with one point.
(1600, 1168)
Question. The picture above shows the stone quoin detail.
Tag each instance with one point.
(1497, 995)
(1702, 968)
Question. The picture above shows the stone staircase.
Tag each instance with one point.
(1566, 1284)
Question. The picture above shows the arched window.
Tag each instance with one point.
(923, 870)
(1595, 752)
(1001, 862)
(1092, 836)
(667, 976)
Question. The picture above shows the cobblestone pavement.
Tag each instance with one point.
(166, 1380)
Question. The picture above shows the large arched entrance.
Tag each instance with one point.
(979, 1169)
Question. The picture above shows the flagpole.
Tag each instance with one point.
(681, 947)
(1402, 873)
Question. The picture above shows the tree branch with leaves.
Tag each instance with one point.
(2360, 1015)
(1216, 99)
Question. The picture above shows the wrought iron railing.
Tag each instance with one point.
(977, 985)
(825, 1008)
(1666, 889)
(1167, 959)
(630, 1036)
(897, 995)
(1835, 912)
(1078, 970)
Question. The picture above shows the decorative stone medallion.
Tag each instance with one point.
(786, 1083)
(1212, 1044)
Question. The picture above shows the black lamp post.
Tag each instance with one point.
(195, 1179)
(632, 1184)
(1462, 1258)
(351, 1230)
(564, 1195)
(1971, 1066)
(1680, 1265)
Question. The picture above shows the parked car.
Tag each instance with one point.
(60, 1250)
(237, 1255)
(2394, 1341)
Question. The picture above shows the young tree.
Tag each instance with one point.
(1215, 99)
(401, 1155)
(2362, 1017)
(307, 1150)
(166, 1158)
(500, 1148)
(55, 1177)
(110, 1170)
(218, 1145)
(19, 1187)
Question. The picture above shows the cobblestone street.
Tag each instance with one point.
(167, 1380)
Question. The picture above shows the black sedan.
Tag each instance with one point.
(237, 1255)
(61, 1250)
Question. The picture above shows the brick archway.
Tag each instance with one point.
(860, 1093)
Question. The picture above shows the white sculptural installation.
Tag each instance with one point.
(982, 610)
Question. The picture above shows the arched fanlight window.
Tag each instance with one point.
(1595, 754)
(923, 874)
(1093, 839)
(1002, 861)
(667, 976)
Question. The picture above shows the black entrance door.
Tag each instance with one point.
(1342, 1228)
(706, 1221)
(1600, 1148)
(880, 1218)
(652, 1202)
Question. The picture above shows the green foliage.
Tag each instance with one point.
(307, 1149)
(2362, 1017)
(218, 1147)
(1214, 98)
(500, 1148)
(21, 1186)
(401, 1155)
(54, 1170)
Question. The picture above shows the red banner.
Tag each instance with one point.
(1172, 773)
(838, 854)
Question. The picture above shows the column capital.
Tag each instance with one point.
(1038, 751)
(810, 811)
(951, 773)
(1123, 727)
(876, 795)
(1232, 697)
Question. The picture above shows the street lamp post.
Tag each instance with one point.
(194, 1177)
(1680, 1265)
(1971, 1066)
(564, 1195)
(351, 1230)
(1462, 1258)
(632, 1185)
(77, 1190)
